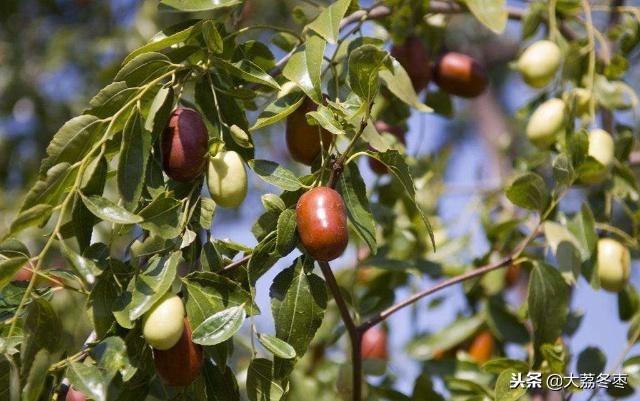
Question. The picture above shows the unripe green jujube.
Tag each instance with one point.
(227, 179)
(163, 323)
(614, 264)
(539, 63)
(547, 123)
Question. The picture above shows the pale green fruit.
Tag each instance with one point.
(547, 123)
(164, 322)
(539, 63)
(614, 264)
(227, 179)
(601, 148)
(582, 98)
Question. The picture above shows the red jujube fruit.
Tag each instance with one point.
(377, 166)
(374, 344)
(184, 145)
(181, 364)
(413, 57)
(322, 223)
(460, 75)
(481, 349)
(303, 140)
(75, 395)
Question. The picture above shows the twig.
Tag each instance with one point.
(233, 265)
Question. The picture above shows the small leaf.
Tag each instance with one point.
(261, 384)
(305, 66)
(426, 347)
(162, 217)
(285, 104)
(491, 13)
(286, 236)
(134, 154)
(563, 170)
(37, 215)
(275, 174)
(109, 211)
(212, 37)
(219, 327)
(529, 191)
(198, 5)
(248, 71)
(37, 376)
(240, 136)
(504, 390)
(591, 360)
(327, 24)
(364, 64)
(9, 268)
(277, 347)
(143, 68)
(87, 379)
(398, 82)
(49, 190)
(86, 268)
(163, 40)
(159, 111)
(354, 193)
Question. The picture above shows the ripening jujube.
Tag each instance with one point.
(322, 223)
(460, 75)
(614, 264)
(75, 395)
(413, 57)
(374, 344)
(184, 145)
(181, 364)
(305, 141)
(482, 347)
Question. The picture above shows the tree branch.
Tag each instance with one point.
(354, 333)
(233, 265)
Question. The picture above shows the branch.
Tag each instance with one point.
(352, 329)
(233, 265)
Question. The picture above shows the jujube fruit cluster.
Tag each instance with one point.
(460, 75)
(305, 141)
(184, 145)
(322, 223)
(413, 57)
(614, 265)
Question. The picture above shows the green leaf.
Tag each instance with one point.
(563, 170)
(327, 24)
(9, 268)
(498, 365)
(398, 82)
(425, 348)
(146, 288)
(275, 174)
(210, 293)
(72, 141)
(162, 217)
(354, 193)
(163, 40)
(50, 189)
(261, 385)
(37, 215)
(286, 236)
(110, 99)
(566, 249)
(87, 379)
(529, 191)
(40, 323)
(277, 347)
(102, 298)
(86, 268)
(212, 37)
(204, 214)
(109, 211)
(143, 68)
(591, 360)
(111, 357)
(325, 118)
(505, 324)
(364, 64)
(221, 384)
(198, 5)
(37, 376)
(305, 66)
(504, 391)
(548, 303)
(159, 112)
(262, 258)
(134, 154)
(298, 302)
(285, 104)
(247, 71)
(397, 166)
(491, 13)
(273, 202)
(220, 326)
(423, 389)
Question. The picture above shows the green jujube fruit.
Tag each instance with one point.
(547, 123)
(227, 179)
(539, 63)
(163, 323)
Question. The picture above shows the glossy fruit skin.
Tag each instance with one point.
(601, 148)
(374, 344)
(227, 179)
(303, 140)
(377, 166)
(413, 57)
(162, 324)
(322, 223)
(75, 395)
(181, 364)
(460, 75)
(547, 123)
(539, 63)
(614, 264)
(482, 347)
(184, 145)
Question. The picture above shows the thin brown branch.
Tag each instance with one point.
(354, 334)
(234, 265)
